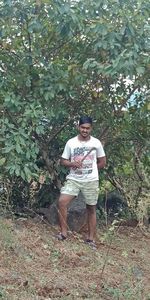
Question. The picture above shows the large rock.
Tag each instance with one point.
(76, 218)
(77, 215)
(114, 204)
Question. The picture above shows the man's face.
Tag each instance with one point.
(85, 130)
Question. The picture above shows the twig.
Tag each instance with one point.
(107, 253)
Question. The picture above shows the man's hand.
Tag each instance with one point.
(71, 164)
(101, 162)
(76, 165)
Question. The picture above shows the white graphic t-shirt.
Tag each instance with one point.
(75, 150)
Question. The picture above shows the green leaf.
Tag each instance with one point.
(2, 161)
(18, 148)
(39, 129)
(140, 70)
(28, 154)
(27, 173)
(9, 148)
(7, 98)
(12, 170)
(23, 175)
(17, 170)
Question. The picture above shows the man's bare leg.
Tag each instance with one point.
(91, 219)
(63, 203)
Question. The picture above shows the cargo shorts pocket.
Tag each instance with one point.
(70, 188)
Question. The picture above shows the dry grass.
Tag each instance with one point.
(34, 265)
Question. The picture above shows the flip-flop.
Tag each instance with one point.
(61, 237)
(91, 243)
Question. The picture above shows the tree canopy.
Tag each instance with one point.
(61, 59)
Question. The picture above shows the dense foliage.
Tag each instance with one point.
(61, 59)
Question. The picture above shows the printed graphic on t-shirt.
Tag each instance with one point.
(87, 164)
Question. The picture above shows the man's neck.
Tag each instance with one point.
(83, 139)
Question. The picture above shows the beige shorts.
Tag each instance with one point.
(90, 190)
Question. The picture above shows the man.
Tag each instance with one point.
(84, 156)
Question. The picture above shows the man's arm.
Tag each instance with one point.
(67, 163)
(65, 159)
(101, 162)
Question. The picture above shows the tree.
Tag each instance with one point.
(61, 59)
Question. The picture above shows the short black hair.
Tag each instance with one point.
(85, 119)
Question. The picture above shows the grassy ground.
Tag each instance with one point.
(34, 265)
